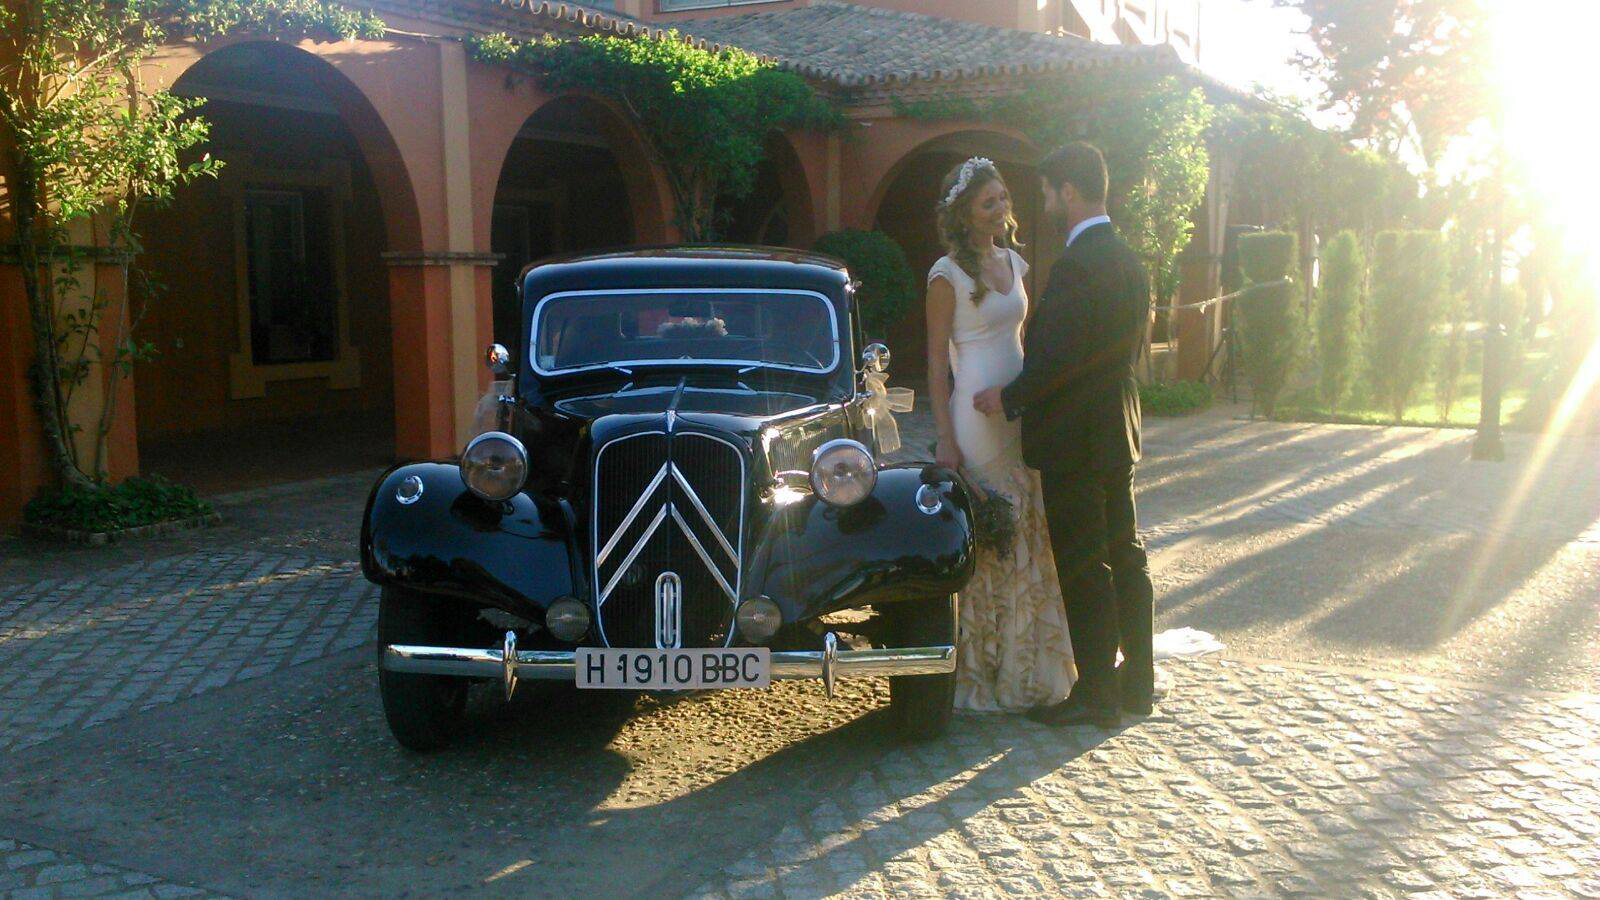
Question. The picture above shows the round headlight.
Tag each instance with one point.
(494, 465)
(567, 619)
(843, 472)
(759, 619)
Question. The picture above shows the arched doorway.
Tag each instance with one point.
(561, 189)
(904, 210)
(777, 211)
(268, 298)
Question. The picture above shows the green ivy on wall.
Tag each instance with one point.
(706, 115)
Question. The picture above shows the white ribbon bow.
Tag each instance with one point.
(883, 402)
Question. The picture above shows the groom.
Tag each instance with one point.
(1079, 402)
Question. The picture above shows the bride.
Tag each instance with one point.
(1014, 650)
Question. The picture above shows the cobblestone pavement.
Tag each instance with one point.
(32, 871)
(1414, 603)
(81, 651)
(1251, 779)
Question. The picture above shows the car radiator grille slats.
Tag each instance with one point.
(667, 504)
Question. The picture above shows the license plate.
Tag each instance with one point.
(621, 668)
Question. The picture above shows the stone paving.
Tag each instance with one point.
(81, 651)
(1251, 779)
(40, 872)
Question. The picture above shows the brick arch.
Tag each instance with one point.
(898, 191)
(387, 94)
(1001, 145)
(789, 155)
(366, 81)
(501, 106)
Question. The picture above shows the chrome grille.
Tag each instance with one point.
(667, 504)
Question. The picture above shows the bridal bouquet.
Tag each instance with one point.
(995, 520)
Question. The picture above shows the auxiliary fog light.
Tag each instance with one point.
(759, 619)
(567, 619)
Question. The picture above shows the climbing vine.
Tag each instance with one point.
(705, 115)
(86, 142)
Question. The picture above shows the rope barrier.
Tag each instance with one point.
(1239, 293)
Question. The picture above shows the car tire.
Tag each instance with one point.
(424, 711)
(920, 705)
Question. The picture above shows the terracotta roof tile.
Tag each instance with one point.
(862, 45)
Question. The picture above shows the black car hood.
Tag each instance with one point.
(737, 402)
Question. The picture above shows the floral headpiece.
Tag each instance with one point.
(965, 178)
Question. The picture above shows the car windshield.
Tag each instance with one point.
(588, 329)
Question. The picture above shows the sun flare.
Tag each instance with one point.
(1543, 69)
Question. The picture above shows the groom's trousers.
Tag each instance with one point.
(1105, 581)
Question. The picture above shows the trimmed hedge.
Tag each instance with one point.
(1339, 316)
(1409, 277)
(888, 288)
(1269, 320)
(139, 501)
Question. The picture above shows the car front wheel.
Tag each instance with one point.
(424, 711)
(920, 705)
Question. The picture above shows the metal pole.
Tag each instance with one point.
(1488, 445)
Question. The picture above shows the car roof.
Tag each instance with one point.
(717, 252)
(686, 266)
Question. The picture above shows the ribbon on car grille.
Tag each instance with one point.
(882, 403)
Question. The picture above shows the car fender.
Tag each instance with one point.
(515, 555)
(812, 558)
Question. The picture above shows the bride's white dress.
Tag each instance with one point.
(1014, 651)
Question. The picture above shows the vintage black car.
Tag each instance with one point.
(677, 487)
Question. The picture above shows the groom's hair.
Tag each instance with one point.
(1079, 164)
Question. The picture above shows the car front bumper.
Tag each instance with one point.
(510, 665)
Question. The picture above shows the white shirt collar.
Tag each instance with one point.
(1085, 225)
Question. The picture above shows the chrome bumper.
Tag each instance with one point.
(510, 665)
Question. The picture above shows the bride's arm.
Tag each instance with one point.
(941, 314)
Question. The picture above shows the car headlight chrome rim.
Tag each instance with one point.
(843, 472)
(494, 466)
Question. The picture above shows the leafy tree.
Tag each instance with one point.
(88, 141)
(1271, 325)
(1406, 70)
(1339, 315)
(705, 114)
(888, 288)
(1408, 290)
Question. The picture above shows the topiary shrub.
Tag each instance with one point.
(1408, 288)
(1339, 316)
(1270, 322)
(888, 289)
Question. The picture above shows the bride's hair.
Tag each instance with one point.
(953, 211)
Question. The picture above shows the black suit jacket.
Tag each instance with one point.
(1078, 395)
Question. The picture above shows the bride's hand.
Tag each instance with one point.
(947, 454)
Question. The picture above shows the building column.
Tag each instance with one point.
(468, 375)
(24, 467)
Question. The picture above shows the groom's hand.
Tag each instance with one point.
(987, 401)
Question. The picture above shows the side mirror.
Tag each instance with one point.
(875, 358)
(499, 360)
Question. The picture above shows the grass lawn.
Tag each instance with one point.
(1303, 405)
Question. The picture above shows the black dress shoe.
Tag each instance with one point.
(1138, 700)
(1070, 712)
